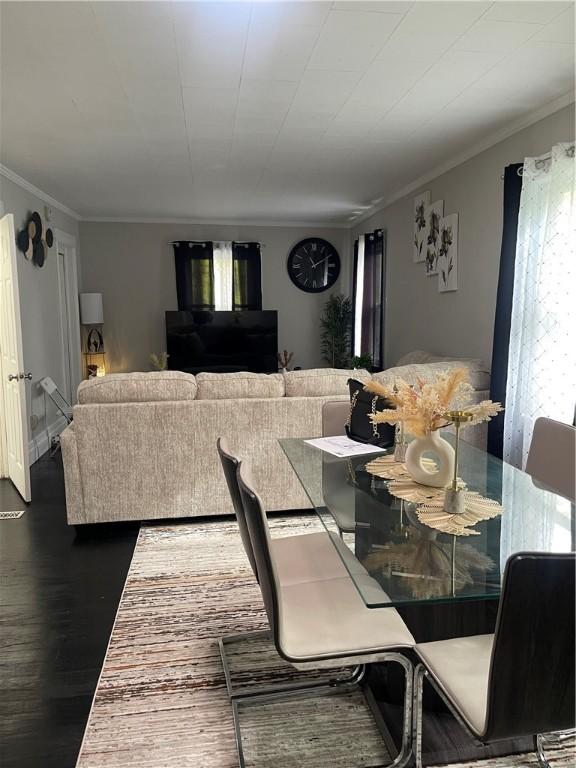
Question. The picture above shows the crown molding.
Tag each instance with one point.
(44, 196)
(214, 222)
(476, 149)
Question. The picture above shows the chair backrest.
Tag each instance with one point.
(552, 456)
(334, 416)
(230, 465)
(261, 544)
(531, 684)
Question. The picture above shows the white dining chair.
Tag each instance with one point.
(334, 416)
(552, 456)
(300, 558)
(322, 624)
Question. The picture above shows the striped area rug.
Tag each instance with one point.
(161, 700)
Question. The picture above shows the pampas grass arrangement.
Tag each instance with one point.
(423, 407)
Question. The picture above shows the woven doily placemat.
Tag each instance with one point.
(388, 469)
(401, 483)
(409, 490)
(476, 508)
(431, 500)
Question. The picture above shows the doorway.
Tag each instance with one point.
(65, 248)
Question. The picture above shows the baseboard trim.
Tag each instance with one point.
(38, 445)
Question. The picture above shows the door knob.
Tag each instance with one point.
(26, 376)
(12, 377)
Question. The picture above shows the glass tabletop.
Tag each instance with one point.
(394, 559)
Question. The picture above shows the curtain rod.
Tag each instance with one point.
(541, 162)
(202, 242)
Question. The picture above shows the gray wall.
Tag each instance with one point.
(40, 308)
(459, 323)
(132, 265)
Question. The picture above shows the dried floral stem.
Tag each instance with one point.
(422, 407)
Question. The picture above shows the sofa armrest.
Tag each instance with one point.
(72, 479)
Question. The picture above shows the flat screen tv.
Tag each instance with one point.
(222, 342)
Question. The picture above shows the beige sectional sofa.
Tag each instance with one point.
(142, 446)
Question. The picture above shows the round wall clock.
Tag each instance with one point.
(313, 265)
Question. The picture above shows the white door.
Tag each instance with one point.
(12, 363)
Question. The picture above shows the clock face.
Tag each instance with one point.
(314, 265)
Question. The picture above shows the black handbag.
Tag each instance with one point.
(362, 405)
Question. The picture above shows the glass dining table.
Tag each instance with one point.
(443, 585)
(411, 563)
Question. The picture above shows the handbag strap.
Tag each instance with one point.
(353, 400)
(352, 404)
(375, 432)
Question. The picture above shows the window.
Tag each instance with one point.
(542, 364)
(219, 275)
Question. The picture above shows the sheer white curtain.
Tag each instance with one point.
(542, 360)
(359, 298)
(222, 265)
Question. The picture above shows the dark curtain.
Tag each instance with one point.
(246, 276)
(194, 275)
(373, 296)
(354, 286)
(502, 320)
(373, 303)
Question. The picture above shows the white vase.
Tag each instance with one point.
(441, 452)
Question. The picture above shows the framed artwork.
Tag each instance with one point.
(448, 254)
(421, 202)
(434, 214)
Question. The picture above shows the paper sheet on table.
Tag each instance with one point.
(342, 446)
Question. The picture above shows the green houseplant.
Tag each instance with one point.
(336, 325)
(362, 361)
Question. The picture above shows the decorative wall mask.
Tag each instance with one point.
(33, 239)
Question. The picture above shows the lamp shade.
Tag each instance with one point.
(91, 310)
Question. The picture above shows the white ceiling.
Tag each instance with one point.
(278, 111)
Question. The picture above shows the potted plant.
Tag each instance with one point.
(362, 361)
(336, 324)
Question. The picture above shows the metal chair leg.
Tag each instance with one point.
(419, 675)
(406, 748)
(539, 748)
(541, 739)
(251, 691)
(356, 679)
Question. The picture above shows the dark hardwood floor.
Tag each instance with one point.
(58, 598)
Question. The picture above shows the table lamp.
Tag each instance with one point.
(92, 318)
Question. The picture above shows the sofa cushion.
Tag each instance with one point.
(479, 375)
(416, 357)
(318, 382)
(239, 386)
(146, 387)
